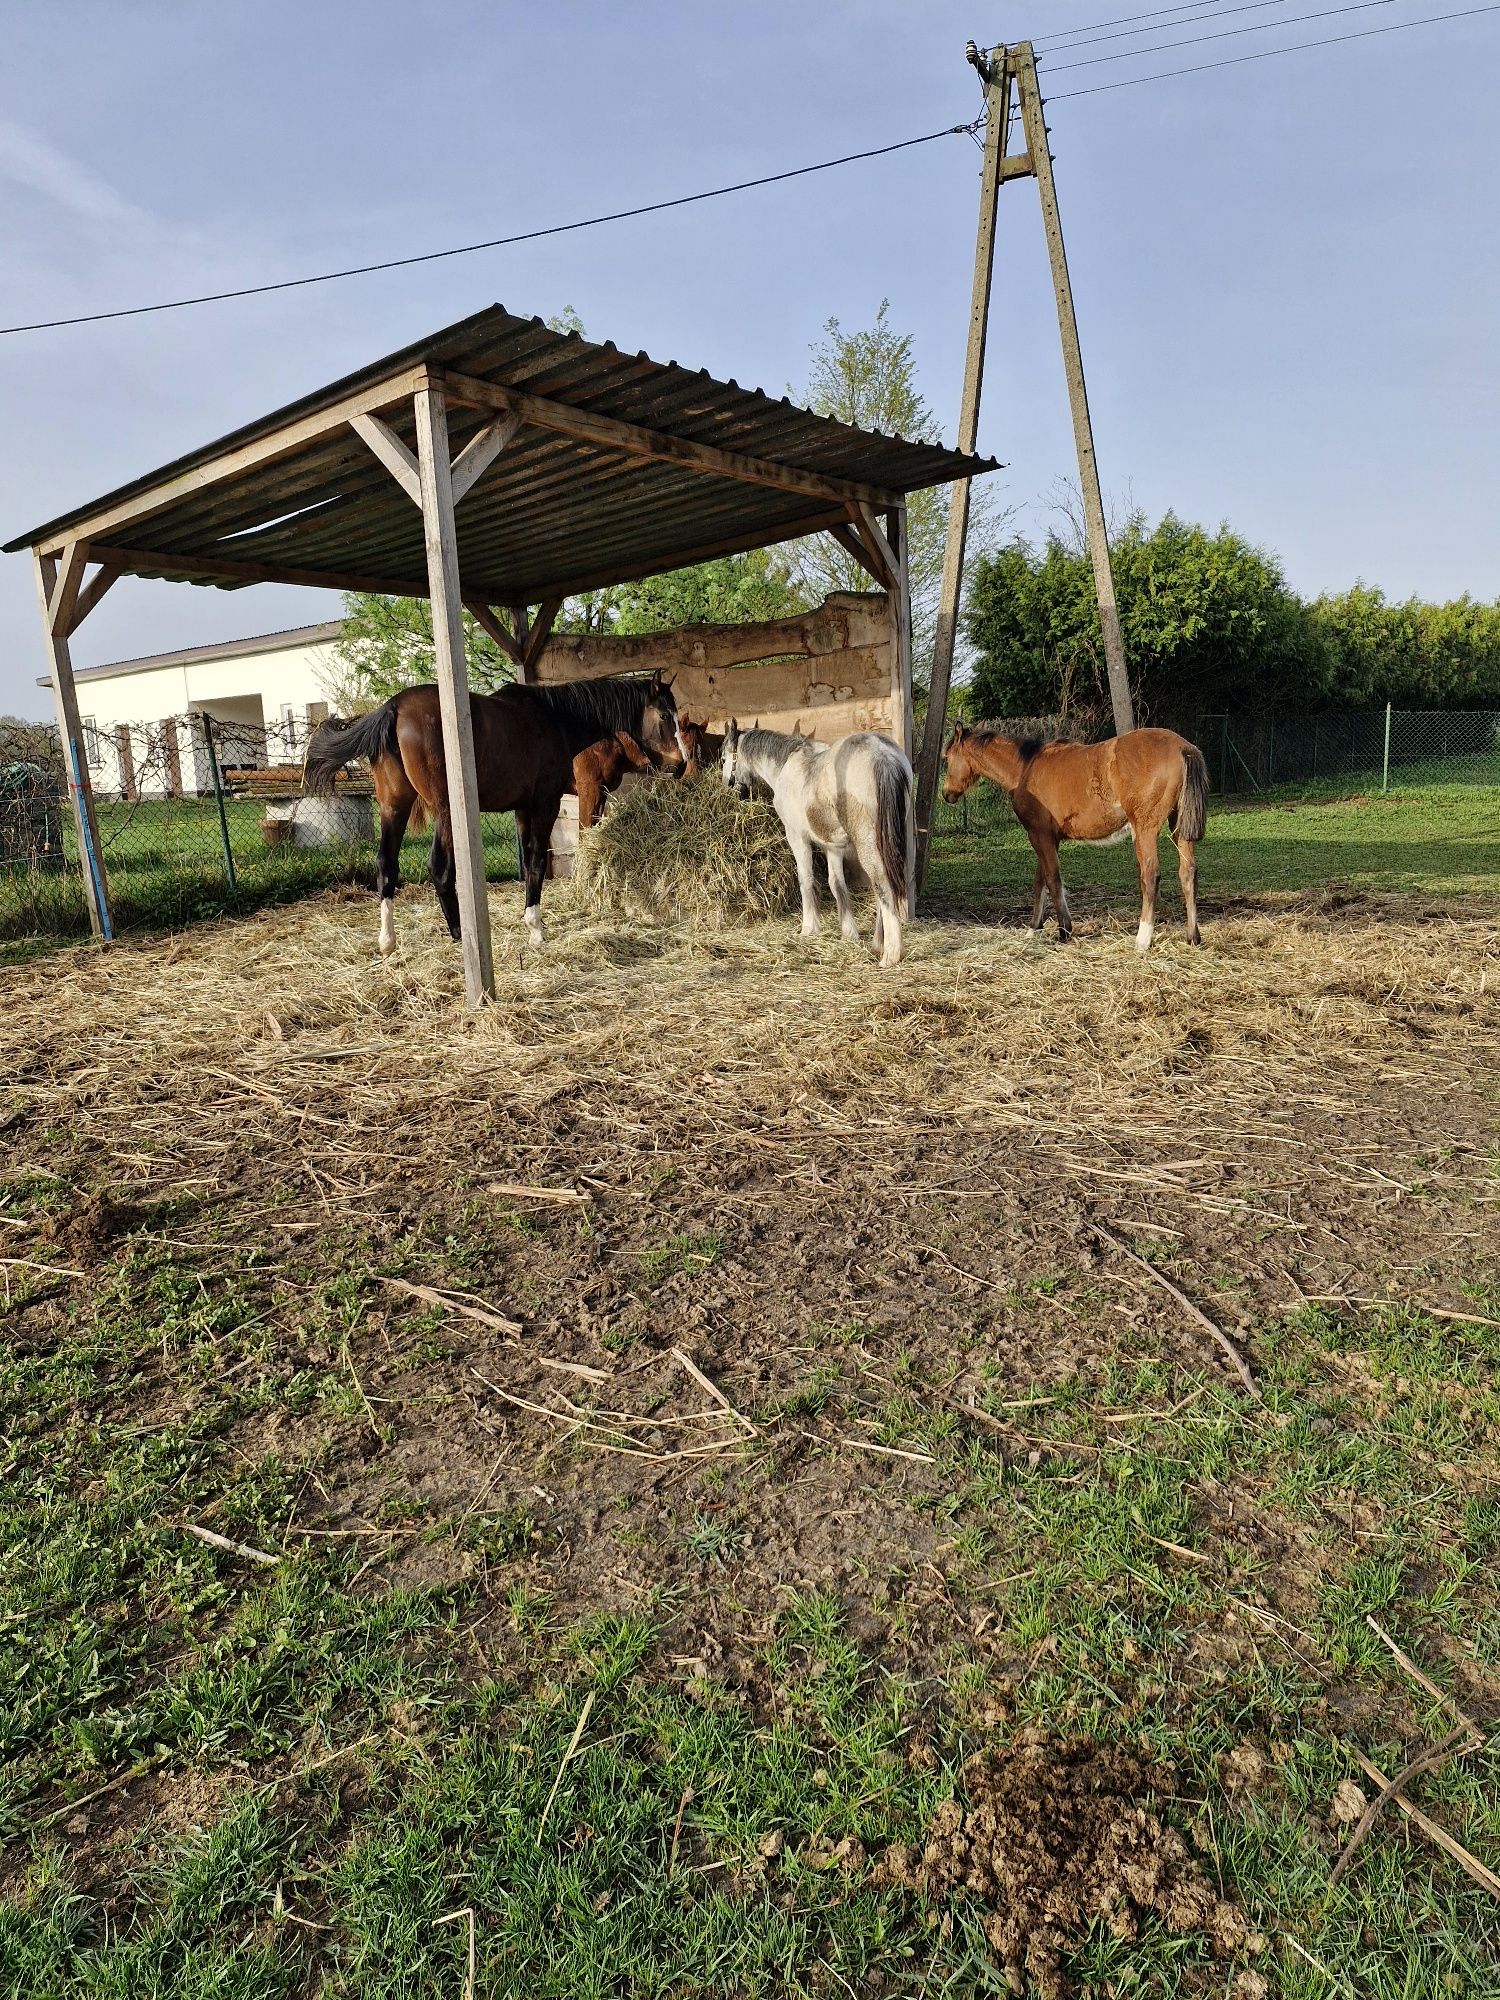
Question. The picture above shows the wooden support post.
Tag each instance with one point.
(998, 93)
(897, 543)
(70, 729)
(1083, 431)
(453, 692)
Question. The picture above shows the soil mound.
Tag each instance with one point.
(1054, 1834)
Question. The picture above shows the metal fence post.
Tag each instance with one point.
(213, 769)
(1385, 765)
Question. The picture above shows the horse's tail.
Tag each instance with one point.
(334, 744)
(892, 821)
(1192, 800)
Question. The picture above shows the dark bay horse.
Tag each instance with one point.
(525, 743)
(1130, 786)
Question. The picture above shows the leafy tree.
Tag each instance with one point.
(387, 645)
(1413, 655)
(1209, 623)
(868, 379)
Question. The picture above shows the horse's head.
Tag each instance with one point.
(659, 735)
(701, 745)
(731, 763)
(960, 768)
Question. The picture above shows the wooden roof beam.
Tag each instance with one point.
(480, 453)
(485, 618)
(637, 442)
(215, 569)
(398, 461)
(231, 464)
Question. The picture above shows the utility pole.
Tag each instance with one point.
(1004, 70)
(996, 73)
(1035, 126)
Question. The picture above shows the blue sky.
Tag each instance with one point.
(1287, 272)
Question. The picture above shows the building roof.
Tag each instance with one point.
(621, 467)
(228, 649)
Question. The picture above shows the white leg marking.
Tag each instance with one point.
(1143, 937)
(387, 927)
(891, 942)
(534, 923)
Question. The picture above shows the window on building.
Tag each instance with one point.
(93, 749)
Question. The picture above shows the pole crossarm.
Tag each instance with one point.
(588, 427)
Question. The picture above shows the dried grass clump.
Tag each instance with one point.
(686, 852)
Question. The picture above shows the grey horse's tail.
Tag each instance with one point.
(1192, 800)
(892, 819)
(335, 744)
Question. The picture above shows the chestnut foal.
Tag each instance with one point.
(1129, 786)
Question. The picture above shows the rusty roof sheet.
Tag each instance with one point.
(552, 515)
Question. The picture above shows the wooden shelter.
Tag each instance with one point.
(497, 465)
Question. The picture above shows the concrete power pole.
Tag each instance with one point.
(1005, 70)
(1035, 127)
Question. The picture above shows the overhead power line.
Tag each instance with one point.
(1119, 20)
(1264, 55)
(786, 174)
(1199, 12)
(1226, 34)
(492, 243)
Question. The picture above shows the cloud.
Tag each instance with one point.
(29, 161)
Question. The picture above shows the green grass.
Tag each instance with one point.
(359, 1766)
(1437, 840)
(165, 862)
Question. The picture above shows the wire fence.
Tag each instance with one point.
(1378, 800)
(203, 815)
(1370, 750)
(198, 816)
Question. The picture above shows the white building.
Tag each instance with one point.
(143, 726)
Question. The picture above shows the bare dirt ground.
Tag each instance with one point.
(714, 1271)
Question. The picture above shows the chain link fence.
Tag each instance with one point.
(198, 816)
(1373, 800)
(1368, 750)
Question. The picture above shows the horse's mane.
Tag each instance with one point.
(776, 746)
(992, 732)
(603, 706)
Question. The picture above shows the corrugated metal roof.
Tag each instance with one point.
(553, 514)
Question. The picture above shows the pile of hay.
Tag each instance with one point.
(686, 851)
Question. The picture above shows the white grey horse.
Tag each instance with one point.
(849, 797)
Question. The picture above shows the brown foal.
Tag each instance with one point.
(1128, 787)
